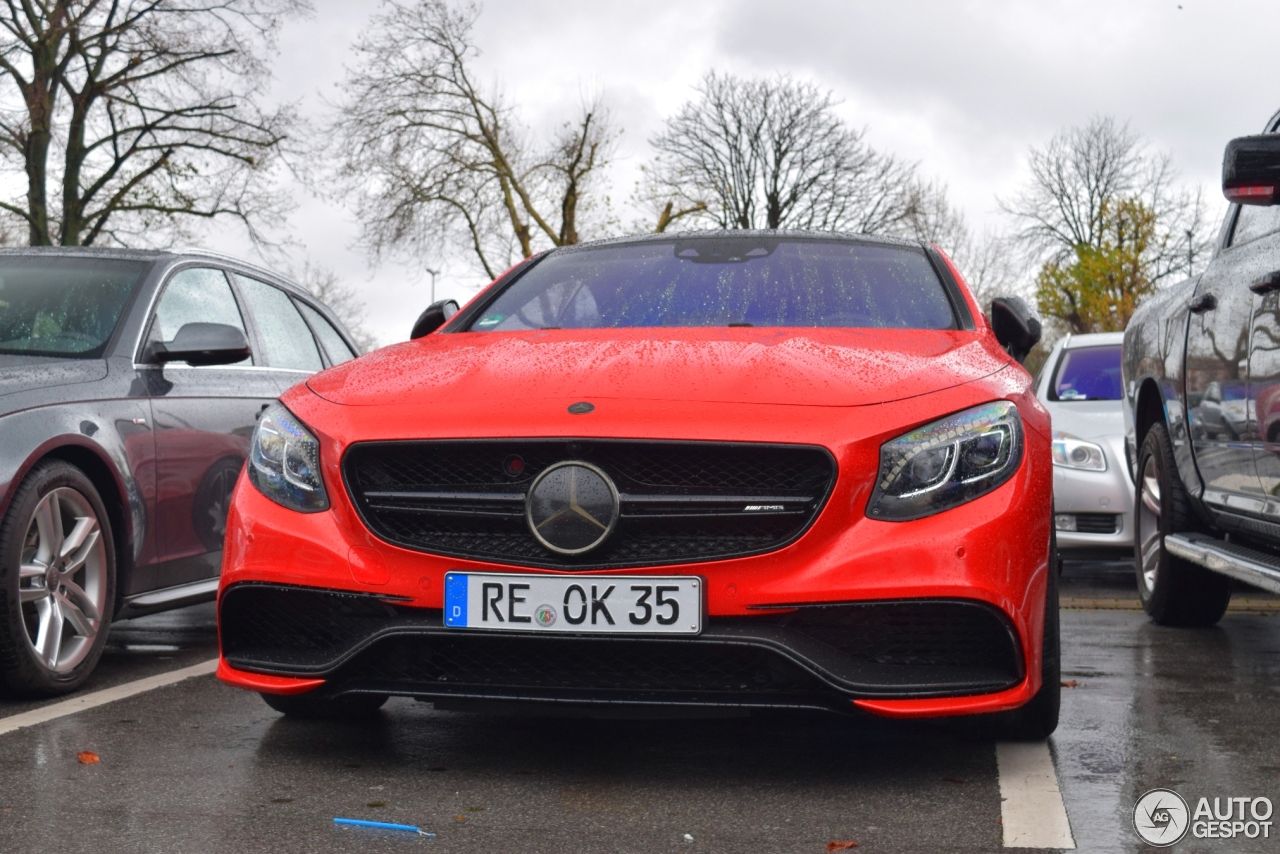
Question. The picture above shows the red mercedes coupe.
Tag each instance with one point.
(733, 469)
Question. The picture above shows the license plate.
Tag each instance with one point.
(577, 604)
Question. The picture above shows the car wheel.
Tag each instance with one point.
(1038, 719)
(1174, 592)
(213, 499)
(57, 582)
(350, 707)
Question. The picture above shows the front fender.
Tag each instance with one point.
(104, 429)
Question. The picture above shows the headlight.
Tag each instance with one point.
(946, 463)
(284, 462)
(1072, 453)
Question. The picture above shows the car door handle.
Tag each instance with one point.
(1203, 303)
(1268, 283)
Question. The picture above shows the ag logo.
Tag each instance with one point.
(1160, 817)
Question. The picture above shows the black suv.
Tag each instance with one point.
(130, 383)
(1202, 391)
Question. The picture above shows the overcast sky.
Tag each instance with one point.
(964, 88)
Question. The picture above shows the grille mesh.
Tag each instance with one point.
(931, 634)
(296, 627)
(600, 665)
(457, 498)
(1096, 523)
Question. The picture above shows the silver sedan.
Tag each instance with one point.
(1092, 490)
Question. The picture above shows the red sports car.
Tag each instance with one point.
(735, 469)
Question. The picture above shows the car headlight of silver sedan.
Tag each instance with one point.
(947, 463)
(1070, 452)
(284, 462)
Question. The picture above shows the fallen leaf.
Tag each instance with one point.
(952, 780)
(88, 757)
(376, 804)
(834, 845)
(459, 818)
(1069, 683)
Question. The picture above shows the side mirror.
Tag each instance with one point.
(201, 344)
(1251, 170)
(1016, 328)
(435, 316)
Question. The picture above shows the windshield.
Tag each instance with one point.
(54, 306)
(1089, 373)
(726, 281)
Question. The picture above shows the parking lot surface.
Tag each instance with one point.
(196, 766)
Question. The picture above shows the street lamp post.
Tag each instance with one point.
(433, 273)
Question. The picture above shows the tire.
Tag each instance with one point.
(1174, 592)
(1038, 719)
(350, 707)
(57, 582)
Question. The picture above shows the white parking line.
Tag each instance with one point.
(1031, 809)
(81, 702)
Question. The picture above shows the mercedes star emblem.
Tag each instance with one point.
(572, 507)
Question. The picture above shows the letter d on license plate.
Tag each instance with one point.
(574, 604)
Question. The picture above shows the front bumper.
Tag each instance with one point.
(1101, 502)
(989, 556)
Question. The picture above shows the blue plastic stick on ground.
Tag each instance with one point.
(382, 825)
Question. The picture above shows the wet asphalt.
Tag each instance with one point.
(199, 767)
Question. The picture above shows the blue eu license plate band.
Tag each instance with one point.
(455, 600)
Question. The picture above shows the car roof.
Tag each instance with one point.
(156, 255)
(668, 236)
(1092, 339)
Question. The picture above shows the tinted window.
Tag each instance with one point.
(332, 342)
(195, 295)
(717, 281)
(1255, 221)
(1089, 373)
(63, 306)
(285, 336)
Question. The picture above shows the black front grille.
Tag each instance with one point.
(1096, 523)
(680, 502)
(295, 627)
(901, 634)
(559, 664)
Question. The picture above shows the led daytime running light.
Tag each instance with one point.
(947, 463)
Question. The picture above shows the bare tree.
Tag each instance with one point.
(1081, 174)
(987, 260)
(431, 157)
(324, 284)
(771, 153)
(129, 118)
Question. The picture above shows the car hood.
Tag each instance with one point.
(844, 367)
(27, 373)
(1087, 419)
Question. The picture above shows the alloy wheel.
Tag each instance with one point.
(62, 579)
(1151, 542)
